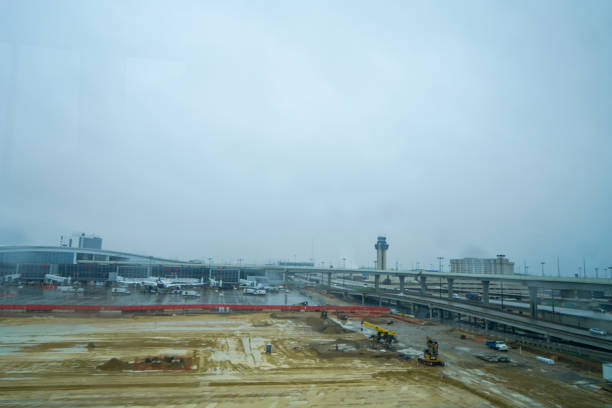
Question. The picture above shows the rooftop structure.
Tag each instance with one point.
(81, 240)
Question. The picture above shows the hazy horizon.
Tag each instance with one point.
(273, 130)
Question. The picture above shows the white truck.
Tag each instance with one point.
(498, 345)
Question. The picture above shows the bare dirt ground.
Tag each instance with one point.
(52, 361)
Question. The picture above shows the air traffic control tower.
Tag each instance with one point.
(381, 253)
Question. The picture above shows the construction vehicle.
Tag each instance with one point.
(382, 335)
(430, 354)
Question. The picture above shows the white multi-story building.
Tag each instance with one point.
(487, 266)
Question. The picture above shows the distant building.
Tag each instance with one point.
(483, 266)
(80, 240)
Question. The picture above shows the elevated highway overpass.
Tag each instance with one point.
(551, 331)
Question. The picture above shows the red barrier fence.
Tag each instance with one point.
(132, 308)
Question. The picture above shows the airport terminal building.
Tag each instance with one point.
(32, 263)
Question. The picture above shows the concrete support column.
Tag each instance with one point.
(423, 285)
(486, 325)
(328, 278)
(430, 312)
(380, 301)
(402, 283)
(376, 281)
(362, 299)
(450, 282)
(533, 301)
(412, 309)
(485, 292)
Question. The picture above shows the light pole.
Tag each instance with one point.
(610, 269)
(542, 267)
(343, 263)
(502, 296)
(596, 273)
(440, 258)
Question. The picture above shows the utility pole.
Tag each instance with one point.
(542, 267)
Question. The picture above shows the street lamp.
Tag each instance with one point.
(542, 267)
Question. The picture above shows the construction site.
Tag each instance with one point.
(275, 358)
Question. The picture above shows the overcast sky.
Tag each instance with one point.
(274, 130)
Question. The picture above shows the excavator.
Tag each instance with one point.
(430, 354)
(384, 336)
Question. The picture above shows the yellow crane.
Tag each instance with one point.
(430, 354)
(382, 335)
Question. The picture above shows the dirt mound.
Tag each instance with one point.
(114, 364)
(326, 326)
(149, 363)
(361, 349)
